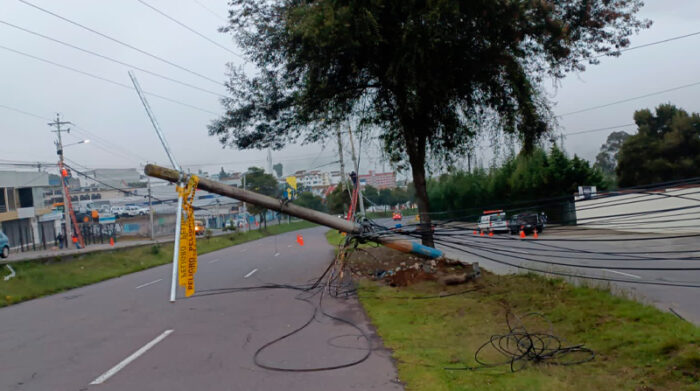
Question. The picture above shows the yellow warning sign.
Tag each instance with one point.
(292, 182)
(187, 266)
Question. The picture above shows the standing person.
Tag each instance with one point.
(75, 241)
(59, 239)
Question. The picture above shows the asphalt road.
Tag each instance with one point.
(581, 252)
(70, 340)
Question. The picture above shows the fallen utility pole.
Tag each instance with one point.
(291, 209)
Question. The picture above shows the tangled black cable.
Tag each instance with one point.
(331, 281)
(521, 347)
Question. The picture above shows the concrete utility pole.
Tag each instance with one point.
(59, 150)
(245, 207)
(150, 207)
(356, 162)
(314, 216)
(340, 155)
(343, 178)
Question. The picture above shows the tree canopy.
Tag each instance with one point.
(260, 182)
(522, 180)
(308, 200)
(338, 201)
(430, 74)
(606, 160)
(666, 147)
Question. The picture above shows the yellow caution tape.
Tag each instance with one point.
(188, 242)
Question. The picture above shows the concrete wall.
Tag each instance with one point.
(667, 211)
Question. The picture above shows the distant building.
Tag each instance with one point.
(24, 210)
(314, 181)
(111, 177)
(382, 180)
(334, 177)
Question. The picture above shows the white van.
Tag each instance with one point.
(493, 221)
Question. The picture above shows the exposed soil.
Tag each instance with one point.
(400, 269)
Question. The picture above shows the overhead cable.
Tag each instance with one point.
(144, 52)
(190, 29)
(114, 60)
(105, 79)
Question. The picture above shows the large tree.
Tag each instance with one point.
(261, 182)
(666, 147)
(429, 74)
(606, 160)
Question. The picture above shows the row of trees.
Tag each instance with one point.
(665, 148)
(338, 201)
(527, 177)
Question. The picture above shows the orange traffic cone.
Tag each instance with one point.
(522, 234)
(534, 235)
(482, 233)
(111, 241)
(491, 234)
(300, 240)
(475, 233)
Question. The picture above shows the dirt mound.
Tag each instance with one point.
(400, 269)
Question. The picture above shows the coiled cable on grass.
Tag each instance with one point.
(521, 347)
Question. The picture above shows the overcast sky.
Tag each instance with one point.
(113, 118)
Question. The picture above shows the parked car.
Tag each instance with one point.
(118, 211)
(527, 222)
(133, 210)
(396, 216)
(199, 228)
(493, 221)
(4, 245)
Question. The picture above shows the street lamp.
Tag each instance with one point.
(79, 142)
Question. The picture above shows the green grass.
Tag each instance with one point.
(39, 278)
(637, 346)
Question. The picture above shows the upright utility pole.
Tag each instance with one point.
(245, 208)
(269, 161)
(340, 154)
(356, 163)
(343, 178)
(59, 150)
(150, 207)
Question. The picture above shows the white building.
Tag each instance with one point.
(24, 212)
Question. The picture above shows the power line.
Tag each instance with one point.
(80, 129)
(656, 43)
(26, 113)
(114, 60)
(599, 129)
(210, 11)
(630, 99)
(190, 28)
(121, 42)
(104, 79)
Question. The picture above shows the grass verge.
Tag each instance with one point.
(39, 278)
(637, 346)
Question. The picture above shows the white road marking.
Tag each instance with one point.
(624, 274)
(289, 246)
(214, 260)
(251, 273)
(149, 283)
(277, 254)
(131, 358)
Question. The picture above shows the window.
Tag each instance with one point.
(26, 200)
(3, 204)
(11, 206)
